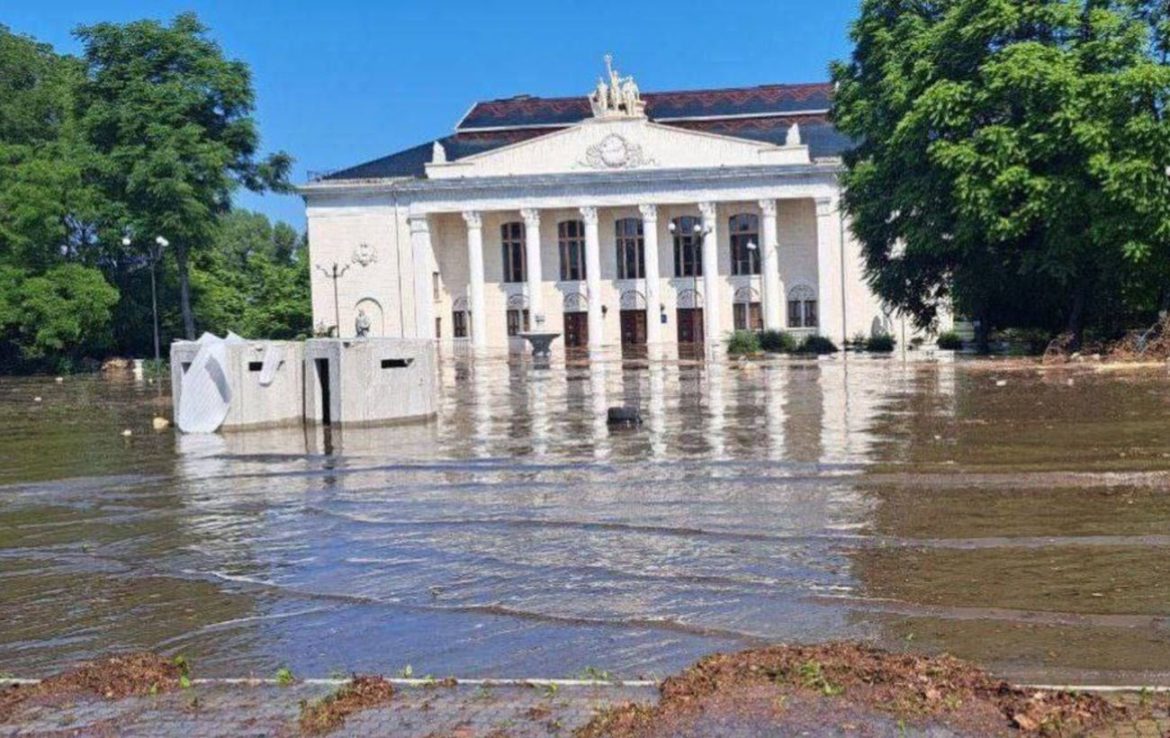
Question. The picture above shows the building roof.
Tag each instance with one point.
(764, 113)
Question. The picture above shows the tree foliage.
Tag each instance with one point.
(1011, 158)
(148, 134)
(170, 118)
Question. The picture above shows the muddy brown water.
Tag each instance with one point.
(922, 506)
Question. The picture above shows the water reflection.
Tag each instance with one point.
(517, 534)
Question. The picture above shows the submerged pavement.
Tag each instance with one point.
(469, 711)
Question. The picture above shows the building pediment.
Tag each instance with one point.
(620, 144)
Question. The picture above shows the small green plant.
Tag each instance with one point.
(184, 667)
(593, 674)
(284, 676)
(407, 672)
(858, 340)
(949, 341)
(882, 343)
(743, 343)
(777, 342)
(550, 690)
(812, 676)
(817, 345)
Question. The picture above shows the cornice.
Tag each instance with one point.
(534, 182)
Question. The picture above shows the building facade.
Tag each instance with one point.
(613, 219)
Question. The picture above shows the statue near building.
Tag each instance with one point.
(362, 324)
(617, 97)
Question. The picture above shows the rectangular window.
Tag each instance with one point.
(795, 314)
(748, 316)
(512, 249)
(802, 313)
(436, 287)
(688, 255)
(459, 323)
(438, 327)
(810, 314)
(517, 322)
(745, 244)
(631, 249)
(571, 240)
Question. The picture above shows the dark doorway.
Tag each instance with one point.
(323, 390)
(690, 326)
(576, 330)
(633, 327)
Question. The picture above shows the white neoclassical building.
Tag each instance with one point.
(614, 219)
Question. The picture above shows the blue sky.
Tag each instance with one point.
(343, 82)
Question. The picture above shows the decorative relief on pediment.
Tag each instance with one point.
(615, 152)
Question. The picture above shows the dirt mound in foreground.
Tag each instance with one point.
(784, 686)
(363, 693)
(112, 677)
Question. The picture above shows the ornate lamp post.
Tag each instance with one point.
(155, 253)
(335, 272)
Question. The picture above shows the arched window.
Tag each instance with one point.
(688, 258)
(571, 240)
(512, 248)
(459, 315)
(802, 307)
(745, 243)
(631, 250)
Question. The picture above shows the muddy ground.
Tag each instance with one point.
(835, 689)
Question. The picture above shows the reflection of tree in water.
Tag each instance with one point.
(1016, 554)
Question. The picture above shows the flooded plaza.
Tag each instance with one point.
(1011, 515)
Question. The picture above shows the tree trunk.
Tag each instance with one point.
(1076, 320)
(982, 333)
(185, 293)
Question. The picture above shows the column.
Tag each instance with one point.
(475, 278)
(593, 274)
(421, 257)
(532, 264)
(829, 296)
(770, 266)
(713, 334)
(653, 295)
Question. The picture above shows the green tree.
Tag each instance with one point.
(170, 120)
(1010, 158)
(61, 314)
(254, 280)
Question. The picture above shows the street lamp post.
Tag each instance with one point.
(753, 246)
(155, 254)
(335, 272)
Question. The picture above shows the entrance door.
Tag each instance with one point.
(576, 330)
(633, 328)
(633, 334)
(690, 326)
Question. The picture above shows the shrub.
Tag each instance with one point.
(882, 343)
(817, 345)
(858, 340)
(949, 341)
(777, 342)
(741, 343)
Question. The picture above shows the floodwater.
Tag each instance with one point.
(918, 505)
